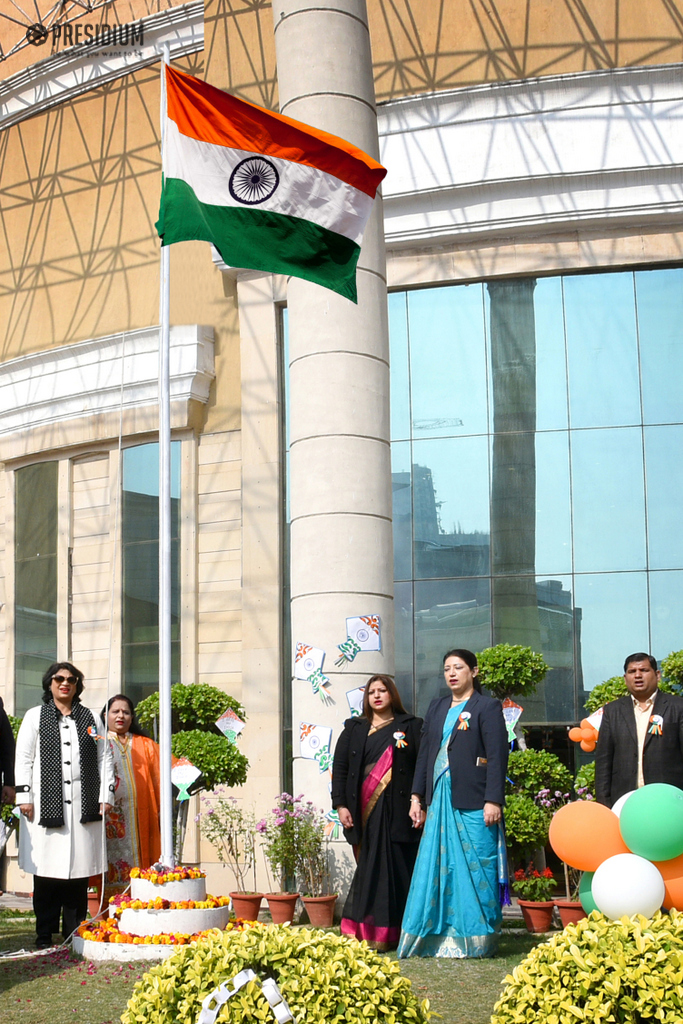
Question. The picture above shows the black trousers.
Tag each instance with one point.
(55, 898)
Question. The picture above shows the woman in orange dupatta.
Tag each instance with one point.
(133, 837)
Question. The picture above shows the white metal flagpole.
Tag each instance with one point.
(166, 791)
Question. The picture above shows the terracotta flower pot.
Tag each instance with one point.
(320, 910)
(570, 911)
(282, 906)
(538, 917)
(246, 904)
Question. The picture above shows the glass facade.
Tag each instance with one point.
(140, 542)
(536, 432)
(35, 580)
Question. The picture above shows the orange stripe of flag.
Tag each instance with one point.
(208, 114)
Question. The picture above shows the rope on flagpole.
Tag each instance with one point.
(166, 791)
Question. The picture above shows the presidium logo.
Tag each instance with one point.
(130, 34)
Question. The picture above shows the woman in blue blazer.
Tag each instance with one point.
(453, 907)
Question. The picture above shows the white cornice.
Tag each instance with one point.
(84, 379)
(545, 154)
(70, 73)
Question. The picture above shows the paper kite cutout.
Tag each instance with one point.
(231, 725)
(362, 634)
(183, 774)
(313, 738)
(306, 660)
(355, 699)
(511, 714)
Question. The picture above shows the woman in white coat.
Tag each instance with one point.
(64, 782)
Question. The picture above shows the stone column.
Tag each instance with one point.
(340, 472)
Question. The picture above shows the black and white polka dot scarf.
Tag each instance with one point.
(51, 782)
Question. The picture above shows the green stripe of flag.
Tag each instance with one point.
(259, 239)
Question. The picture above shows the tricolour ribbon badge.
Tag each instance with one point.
(656, 726)
(464, 720)
(400, 738)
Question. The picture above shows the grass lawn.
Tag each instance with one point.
(57, 988)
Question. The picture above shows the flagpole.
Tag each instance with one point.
(166, 792)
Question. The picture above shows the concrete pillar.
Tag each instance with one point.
(340, 473)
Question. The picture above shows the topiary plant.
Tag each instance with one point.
(509, 670)
(672, 670)
(325, 978)
(526, 827)
(599, 970)
(194, 712)
(532, 771)
(615, 687)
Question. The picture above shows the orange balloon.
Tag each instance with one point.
(588, 745)
(588, 734)
(672, 873)
(584, 834)
(575, 735)
(585, 724)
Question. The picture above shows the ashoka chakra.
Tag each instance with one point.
(254, 180)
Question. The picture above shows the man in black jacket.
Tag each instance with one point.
(641, 735)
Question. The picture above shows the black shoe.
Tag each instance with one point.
(43, 943)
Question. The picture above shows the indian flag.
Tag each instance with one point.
(270, 193)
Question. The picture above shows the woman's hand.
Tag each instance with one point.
(27, 811)
(417, 815)
(106, 808)
(492, 814)
(345, 817)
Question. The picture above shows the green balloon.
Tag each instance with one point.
(586, 893)
(651, 822)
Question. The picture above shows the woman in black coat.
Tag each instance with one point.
(374, 762)
(453, 909)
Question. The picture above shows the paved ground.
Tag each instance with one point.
(10, 901)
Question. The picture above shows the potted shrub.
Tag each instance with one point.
(313, 873)
(534, 890)
(232, 833)
(280, 834)
(510, 670)
(537, 785)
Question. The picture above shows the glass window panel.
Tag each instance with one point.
(664, 471)
(551, 365)
(35, 580)
(601, 337)
(666, 601)
(140, 542)
(448, 613)
(447, 361)
(611, 622)
(538, 613)
(451, 507)
(400, 383)
(512, 334)
(403, 621)
(553, 506)
(608, 500)
(659, 295)
(402, 512)
(513, 504)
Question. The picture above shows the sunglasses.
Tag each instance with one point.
(71, 680)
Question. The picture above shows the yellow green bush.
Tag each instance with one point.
(617, 972)
(323, 977)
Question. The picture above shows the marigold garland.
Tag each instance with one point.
(210, 903)
(159, 875)
(107, 930)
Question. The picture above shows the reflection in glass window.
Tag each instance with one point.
(400, 373)
(403, 624)
(447, 614)
(666, 602)
(35, 580)
(614, 622)
(140, 541)
(402, 510)
(447, 361)
(664, 472)
(553, 505)
(551, 360)
(451, 507)
(608, 499)
(602, 350)
(659, 295)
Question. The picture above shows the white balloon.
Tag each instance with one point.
(627, 885)
(621, 801)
